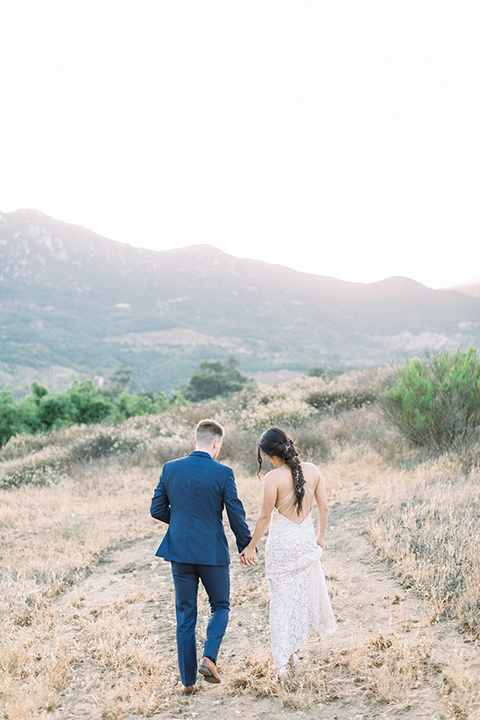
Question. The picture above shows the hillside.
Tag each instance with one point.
(74, 304)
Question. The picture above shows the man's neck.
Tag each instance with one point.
(207, 450)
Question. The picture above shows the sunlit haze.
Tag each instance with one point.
(336, 138)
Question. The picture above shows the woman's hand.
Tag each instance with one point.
(248, 556)
(321, 541)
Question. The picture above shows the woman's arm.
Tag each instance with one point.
(322, 505)
(269, 498)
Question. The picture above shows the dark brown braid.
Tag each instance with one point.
(275, 442)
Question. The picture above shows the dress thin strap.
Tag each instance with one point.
(288, 497)
(291, 497)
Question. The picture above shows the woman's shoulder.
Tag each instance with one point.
(310, 468)
(277, 475)
(274, 474)
(312, 474)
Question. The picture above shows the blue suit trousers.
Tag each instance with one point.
(216, 581)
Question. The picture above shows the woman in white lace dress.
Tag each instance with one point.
(299, 601)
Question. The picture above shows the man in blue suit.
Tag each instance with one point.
(190, 497)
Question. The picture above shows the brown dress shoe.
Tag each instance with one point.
(188, 689)
(209, 670)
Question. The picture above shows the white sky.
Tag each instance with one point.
(339, 137)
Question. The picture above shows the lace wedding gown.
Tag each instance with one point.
(299, 601)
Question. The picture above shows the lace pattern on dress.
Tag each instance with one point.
(299, 601)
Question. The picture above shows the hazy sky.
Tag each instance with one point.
(339, 137)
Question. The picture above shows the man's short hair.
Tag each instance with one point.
(207, 430)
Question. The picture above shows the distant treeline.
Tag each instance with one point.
(84, 404)
(81, 404)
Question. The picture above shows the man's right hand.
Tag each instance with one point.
(248, 556)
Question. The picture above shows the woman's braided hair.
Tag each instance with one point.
(275, 442)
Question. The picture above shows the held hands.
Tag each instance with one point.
(248, 556)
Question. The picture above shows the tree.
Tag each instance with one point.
(8, 416)
(436, 401)
(128, 405)
(53, 411)
(81, 404)
(87, 404)
(215, 379)
(119, 381)
(317, 371)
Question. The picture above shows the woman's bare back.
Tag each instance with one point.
(285, 502)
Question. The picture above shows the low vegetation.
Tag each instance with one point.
(82, 404)
(69, 495)
(428, 528)
(435, 402)
(44, 410)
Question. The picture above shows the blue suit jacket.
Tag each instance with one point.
(190, 496)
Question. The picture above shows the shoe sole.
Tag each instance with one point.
(208, 675)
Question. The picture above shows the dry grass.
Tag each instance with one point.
(50, 537)
(389, 667)
(48, 533)
(52, 533)
(119, 649)
(460, 691)
(427, 527)
(35, 666)
(256, 676)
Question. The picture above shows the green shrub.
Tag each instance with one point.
(323, 372)
(86, 404)
(436, 401)
(128, 405)
(8, 416)
(317, 371)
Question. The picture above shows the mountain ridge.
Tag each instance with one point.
(73, 300)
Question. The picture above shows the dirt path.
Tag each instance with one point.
(358, 665)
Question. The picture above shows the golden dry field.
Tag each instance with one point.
(87, 611)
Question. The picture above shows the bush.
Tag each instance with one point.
(239, 449)
(312, 443)
(85, 404)
(323, 372)
(215, 379)
(8, 416)
(339, 400)
(317, 371)
(45, 457)
(436, 401)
